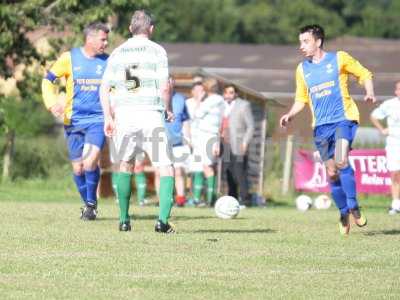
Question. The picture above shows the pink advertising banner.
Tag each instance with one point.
(372, 177)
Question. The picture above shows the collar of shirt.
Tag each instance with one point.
(228, 108)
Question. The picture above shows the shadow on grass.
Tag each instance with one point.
(383, 232)
(185, 218)
(235, 231)
(133, 218)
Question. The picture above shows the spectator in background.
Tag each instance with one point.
(237, 131)
(390, 110)
(195, 167)
(178, 133)
(208, 118)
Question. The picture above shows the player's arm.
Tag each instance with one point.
(165, 85)
(363, 75)
(378, 114)
(61, 68)
(104, 92)
(186, 125)
(249, 120)
(301, 98)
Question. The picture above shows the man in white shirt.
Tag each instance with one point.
(390, 110)
(207, 120)
(137, 72)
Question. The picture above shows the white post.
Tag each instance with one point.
(288, 165)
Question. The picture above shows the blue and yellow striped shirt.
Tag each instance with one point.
(324, 86)
(83, 78)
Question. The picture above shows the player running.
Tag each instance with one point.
(321, 82)
(82, 113)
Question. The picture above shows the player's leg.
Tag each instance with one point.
(124, 146)
(140, 181)
(159, 151)
(180, 186)
(124, 191)
(94, 143)
(208, 158)
(75, 142)
(344, 137)
(180, 157)
(241, 175)
(196, 167)
(325, 144)
(395, 189)
(393, 165)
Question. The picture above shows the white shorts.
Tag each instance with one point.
(203, 149)
(393, 158)
(139, 132)
(181, 156)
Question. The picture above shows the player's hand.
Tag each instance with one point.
(385, 131)
(284, 121)
(370, 98)
(243, 148)
(317, 156)
(169, 116)
(109, 127)
(57, 110)
(216, 149)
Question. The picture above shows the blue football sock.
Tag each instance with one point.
(80, 182)
(92, 181)
(339, 197)
(349, 186)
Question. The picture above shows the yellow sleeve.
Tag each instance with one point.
(352, 66)
(61, 68)
(301, 86)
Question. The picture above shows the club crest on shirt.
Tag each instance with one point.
(99, 69)
(329, 68)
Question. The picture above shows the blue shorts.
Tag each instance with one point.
(325, 136)
(78, 136)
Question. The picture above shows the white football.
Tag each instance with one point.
(322, 202)
(303, 202)
(227, 207)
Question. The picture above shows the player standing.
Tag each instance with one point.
(390, 110)
(137, 72)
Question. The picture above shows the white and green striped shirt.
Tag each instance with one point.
(208, 116)
(136, 70)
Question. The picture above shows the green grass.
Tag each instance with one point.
(46, 252)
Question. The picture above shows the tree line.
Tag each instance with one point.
(225, 21)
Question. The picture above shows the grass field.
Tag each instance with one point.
(46, 252)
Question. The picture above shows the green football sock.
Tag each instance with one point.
(141, 186)
(124, 190)
(114, 179)
(166, 197)
(197, 186)
(210, 189)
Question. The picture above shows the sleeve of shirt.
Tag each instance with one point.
(381, 112)
(301, 86)
(162, 69)
(352, 66)
(109, 73)
(61, 68)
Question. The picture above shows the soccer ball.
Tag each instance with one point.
(303, 202)
(227, 207)
(322, 202)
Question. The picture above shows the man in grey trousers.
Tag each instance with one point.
(237, 131)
